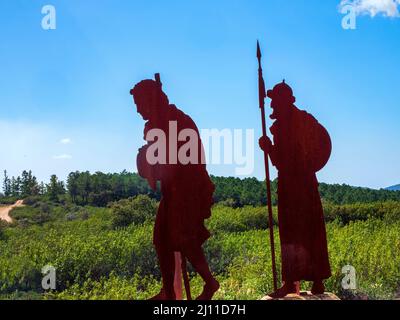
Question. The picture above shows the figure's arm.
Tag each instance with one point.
(145, 170)
(267, 146)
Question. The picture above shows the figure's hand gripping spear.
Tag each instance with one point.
(262, 96)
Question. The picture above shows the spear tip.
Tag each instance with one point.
(258, 50)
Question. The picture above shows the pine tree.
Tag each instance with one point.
(6, 185)
(24, 189)
(15, 186)
(55, 188)
(72, 185)
(42, 189)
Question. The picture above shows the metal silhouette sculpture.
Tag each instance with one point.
(187, 191)
(301, 147)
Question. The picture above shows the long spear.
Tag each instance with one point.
(262, 96)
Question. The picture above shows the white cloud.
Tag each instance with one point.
(62, 157)
(66, 141)
(386, 8)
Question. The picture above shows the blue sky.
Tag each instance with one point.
(74, 82)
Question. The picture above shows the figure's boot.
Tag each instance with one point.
(318, 287)
(287, 288)
(210, 288)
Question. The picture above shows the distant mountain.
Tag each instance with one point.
(394, 188)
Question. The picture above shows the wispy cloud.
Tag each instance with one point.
(386, 8)
(62, 157)
(66, 141)
(31, 146)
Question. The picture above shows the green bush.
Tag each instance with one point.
(95, 261)
(3, 226)
(8, 200)
(344, 214)
(26, 216)
(79, 250)
(137, 211)
(30, 201)
(225, 219)
(111, 288)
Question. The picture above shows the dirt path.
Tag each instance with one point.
(4, 211)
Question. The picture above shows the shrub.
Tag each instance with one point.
(3, 226)
(71, 216)
(84, 214)
(27, 215)
(93, 261)
(8, 200)
(344, 214)
(225, 219)
(111, 288)
(135, 211)
(30, 201)
(231, 203)
(44, 207)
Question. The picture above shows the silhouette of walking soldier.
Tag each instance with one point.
(187, 191)
(301, 147)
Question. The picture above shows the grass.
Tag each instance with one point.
(95, 261)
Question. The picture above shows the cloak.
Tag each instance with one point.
(301, 148)
(187, 190)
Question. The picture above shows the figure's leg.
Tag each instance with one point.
(318, 287)
(198, 260)
(166, 260)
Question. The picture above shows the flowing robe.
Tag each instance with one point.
(301, 148)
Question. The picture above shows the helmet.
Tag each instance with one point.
(282, 91)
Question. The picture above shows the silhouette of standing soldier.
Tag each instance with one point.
(301, 147)
(187, 190)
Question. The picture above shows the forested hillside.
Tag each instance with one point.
(98, 189)
(96, 230)
(107, 253)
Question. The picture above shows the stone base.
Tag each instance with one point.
(307, 295)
